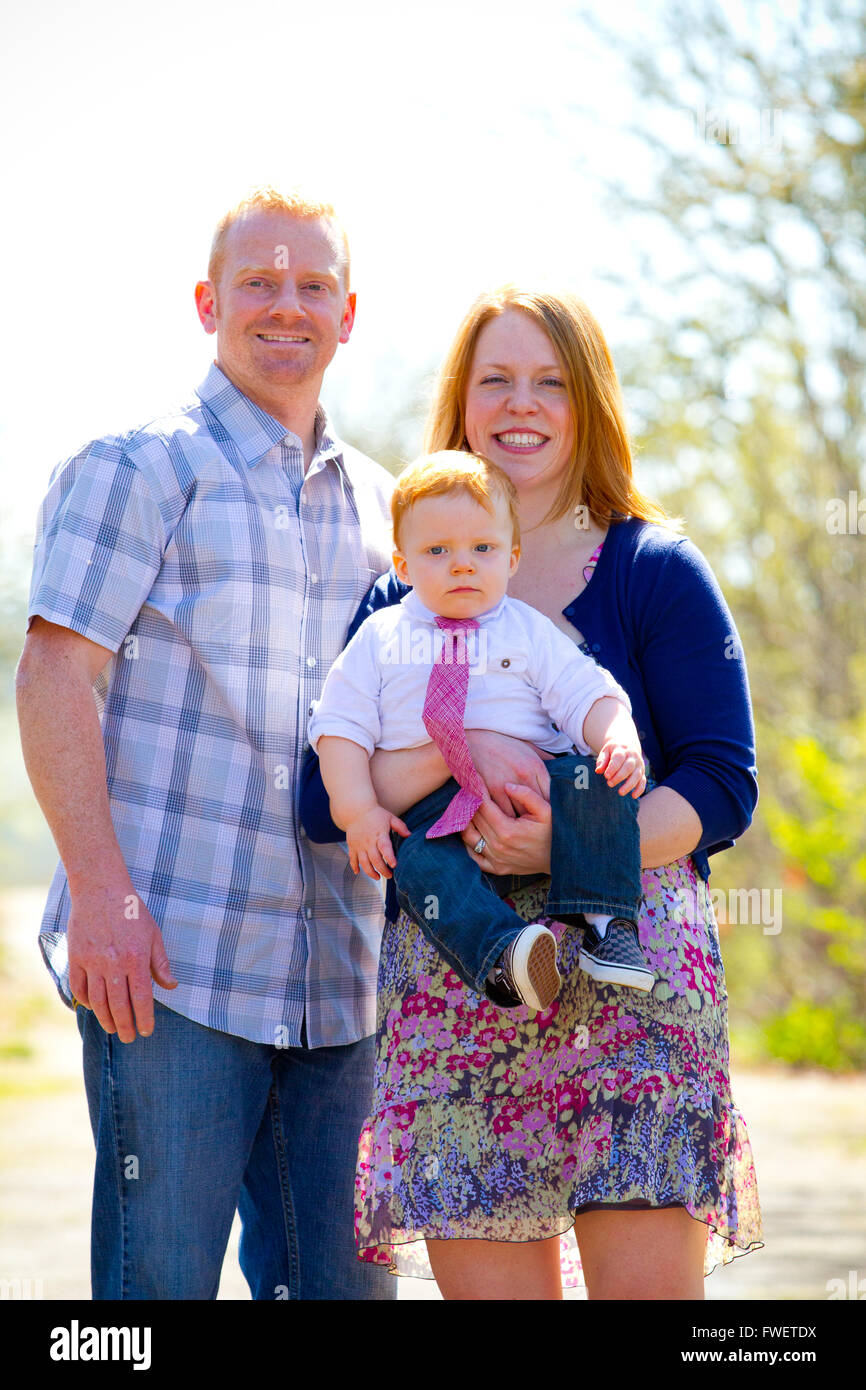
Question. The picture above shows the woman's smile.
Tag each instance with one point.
(518, 411)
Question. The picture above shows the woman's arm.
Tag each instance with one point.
(696, 687)
(693, 673)
(669, 828)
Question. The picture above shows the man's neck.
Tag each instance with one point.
(296, 410)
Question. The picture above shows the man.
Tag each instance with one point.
(197, 576)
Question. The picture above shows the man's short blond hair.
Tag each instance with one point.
(266, 198)
(453, 471)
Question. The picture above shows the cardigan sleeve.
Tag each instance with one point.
(694, 676)
(314, 809)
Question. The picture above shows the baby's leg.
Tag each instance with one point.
(595, 851)
(445, 892)
(596, 871)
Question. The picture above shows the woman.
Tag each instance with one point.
(495, 1132)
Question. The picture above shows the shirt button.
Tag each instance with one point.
(314, 579)
(308, 912)
(506, 661)
(310, 710)
(311, 661)
(302, 832)
(596, 646)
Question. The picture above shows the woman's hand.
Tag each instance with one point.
(513, 844)
(501, 760)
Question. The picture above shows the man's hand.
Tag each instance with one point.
(115, 947)
(501, 760)
(514, 845)
(369, 841)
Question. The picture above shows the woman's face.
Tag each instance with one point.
(517, 409)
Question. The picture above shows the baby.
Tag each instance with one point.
(457, 653)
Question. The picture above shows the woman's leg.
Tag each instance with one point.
(642, 1254)
(496, 1269)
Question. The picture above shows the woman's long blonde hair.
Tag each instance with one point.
(601, 477)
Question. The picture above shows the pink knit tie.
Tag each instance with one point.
(443, 714)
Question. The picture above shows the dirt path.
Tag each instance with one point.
(808, 1133)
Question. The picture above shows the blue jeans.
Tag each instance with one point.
(595, 867)
(192, 1124)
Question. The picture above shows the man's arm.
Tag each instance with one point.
(112, 955)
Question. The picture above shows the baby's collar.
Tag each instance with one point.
(416, 609)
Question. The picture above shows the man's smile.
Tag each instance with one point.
(281, 338)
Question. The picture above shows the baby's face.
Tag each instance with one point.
(457, 556)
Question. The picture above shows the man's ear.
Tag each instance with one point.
(348, 318)
(205, 303)
(399, 562)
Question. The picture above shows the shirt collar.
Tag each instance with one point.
(251, 429)
(416, 609)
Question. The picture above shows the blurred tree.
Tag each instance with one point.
(15, 561)
(746, 379)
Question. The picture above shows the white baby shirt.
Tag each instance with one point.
(526, 678)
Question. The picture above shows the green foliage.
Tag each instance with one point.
(748, 392)
(809, 1035)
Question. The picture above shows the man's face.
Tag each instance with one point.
(280, 305)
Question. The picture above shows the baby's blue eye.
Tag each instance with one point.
(483, 546)
(436, 549)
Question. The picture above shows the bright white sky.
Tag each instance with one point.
(446, 135)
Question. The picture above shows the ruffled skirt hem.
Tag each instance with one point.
(418, 1178)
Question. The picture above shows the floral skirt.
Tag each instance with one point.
(502, 1124)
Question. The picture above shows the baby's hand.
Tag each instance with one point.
(620, 760)
(368, 838)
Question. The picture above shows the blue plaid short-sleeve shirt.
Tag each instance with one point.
(223, 578)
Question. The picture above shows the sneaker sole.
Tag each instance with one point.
(630, 976)
(533, 969)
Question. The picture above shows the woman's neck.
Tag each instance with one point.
(575, 535)
(552, 560)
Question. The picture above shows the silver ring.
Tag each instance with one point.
(481, 846)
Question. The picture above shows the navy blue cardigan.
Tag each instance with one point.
(655, 617)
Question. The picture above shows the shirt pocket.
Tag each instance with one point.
(497, 662)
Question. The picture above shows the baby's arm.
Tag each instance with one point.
(589, 706)
(610, 732)
(346, 774)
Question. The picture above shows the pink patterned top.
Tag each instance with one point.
(592, 562)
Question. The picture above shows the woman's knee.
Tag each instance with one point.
(642, 1254)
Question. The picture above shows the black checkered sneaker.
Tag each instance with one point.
(526, 971)
(616, 958)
